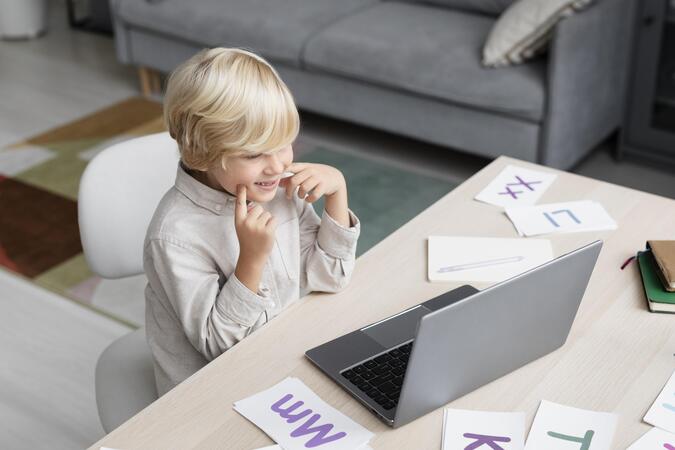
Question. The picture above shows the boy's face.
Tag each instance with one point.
(260, 174)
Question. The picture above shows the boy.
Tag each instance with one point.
(219, 268)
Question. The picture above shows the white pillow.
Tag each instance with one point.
(524, 29)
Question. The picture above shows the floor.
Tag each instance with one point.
(49, 344)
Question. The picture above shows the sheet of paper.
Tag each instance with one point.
(559, 427)
(296, 418)
(654, 439)
(278, 447)
(477, 259)
(483, 429)
(516, 186)
(271, 447)
(662, 412)
(566, 217)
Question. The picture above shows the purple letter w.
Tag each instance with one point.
(321, 431)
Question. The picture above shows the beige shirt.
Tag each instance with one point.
(196, 308)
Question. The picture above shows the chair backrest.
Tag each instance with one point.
(119, 191)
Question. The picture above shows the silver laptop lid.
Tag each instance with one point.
(489, 334)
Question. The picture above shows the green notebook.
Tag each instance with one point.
(658, 298)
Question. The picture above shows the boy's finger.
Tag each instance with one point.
(240, 209)
(264, 218)
(307, 186)
(271, 224)
(254, 213)
(296, 167)
(294, 182)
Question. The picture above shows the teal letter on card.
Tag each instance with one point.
(584, 441)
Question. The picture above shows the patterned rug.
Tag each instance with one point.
(39, 178)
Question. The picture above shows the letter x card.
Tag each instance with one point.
(516, 186)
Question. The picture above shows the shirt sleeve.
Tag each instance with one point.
(214, 318)
(327, 250)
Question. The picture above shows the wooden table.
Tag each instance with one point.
(617, 358)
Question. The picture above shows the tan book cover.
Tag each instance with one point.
(664, 255)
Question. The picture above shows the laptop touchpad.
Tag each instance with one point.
(396, 329)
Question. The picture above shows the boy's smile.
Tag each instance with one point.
(260, 173)
(267, 185)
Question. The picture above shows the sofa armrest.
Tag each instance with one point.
(587, 76)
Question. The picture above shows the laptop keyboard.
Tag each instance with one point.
(381, 377)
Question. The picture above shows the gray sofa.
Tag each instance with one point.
(411, 68)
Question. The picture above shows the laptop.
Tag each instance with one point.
(411, 363)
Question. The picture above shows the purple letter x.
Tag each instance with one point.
(524, 183)
(485, 439)
(521, 182)
(510, 192)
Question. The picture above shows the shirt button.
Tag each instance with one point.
(218, 207)
(273, 304)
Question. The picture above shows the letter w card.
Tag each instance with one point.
(297, 419)
(467, 430)
(559, 427)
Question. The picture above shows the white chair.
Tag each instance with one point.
(119, 191)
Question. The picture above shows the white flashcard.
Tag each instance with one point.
(516, 186)
(279, 447)
(654, 439)
(467, 429)
(569, 217)
(297, 419)
(559, 427)
(478, 259)
(662, 412)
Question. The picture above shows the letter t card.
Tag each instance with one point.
(296, 418)
(559, 427)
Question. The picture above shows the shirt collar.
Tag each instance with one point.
(215, 201)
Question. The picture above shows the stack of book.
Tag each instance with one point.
(657, 267)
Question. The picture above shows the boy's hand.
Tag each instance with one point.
(255, 230)
(313, 181)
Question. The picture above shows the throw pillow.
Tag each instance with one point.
(524, 29)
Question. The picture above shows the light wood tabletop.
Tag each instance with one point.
(617, 358)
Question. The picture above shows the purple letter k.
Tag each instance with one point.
(485, 439)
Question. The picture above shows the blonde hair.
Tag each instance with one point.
(226, 102)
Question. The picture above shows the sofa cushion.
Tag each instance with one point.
(428, 51)
(492, 7)
(525, 29)
(276, 29)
